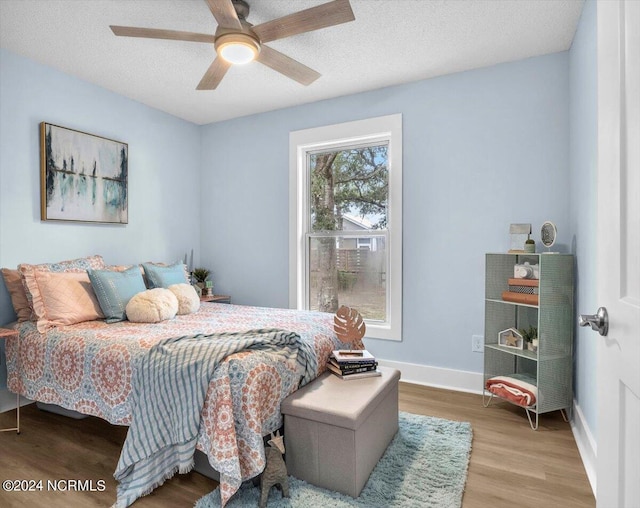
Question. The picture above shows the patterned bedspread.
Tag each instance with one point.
(88, 367)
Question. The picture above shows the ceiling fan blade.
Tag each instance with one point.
(321, 16)
(287, 66)
(214, 75)
(225, 13)
(155, 33)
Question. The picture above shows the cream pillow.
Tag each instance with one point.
(64, 299)
(152, 306)
(188, 299)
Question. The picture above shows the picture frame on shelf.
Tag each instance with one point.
(511, 338)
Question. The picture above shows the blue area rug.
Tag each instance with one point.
(424, 466)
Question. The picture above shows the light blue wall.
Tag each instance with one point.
(482, 149)
(583, 115)
(164, 172)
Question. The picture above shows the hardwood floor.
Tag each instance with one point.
(511, 465)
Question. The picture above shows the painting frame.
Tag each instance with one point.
(83, 177)
(511, 335)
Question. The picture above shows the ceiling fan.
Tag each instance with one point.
(237, 41)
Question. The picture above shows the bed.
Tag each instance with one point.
(88, 367)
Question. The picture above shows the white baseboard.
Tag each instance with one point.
(450, 379)
(587, 445)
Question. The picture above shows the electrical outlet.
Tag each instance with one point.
(477, 343)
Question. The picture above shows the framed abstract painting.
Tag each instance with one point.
(83, 177)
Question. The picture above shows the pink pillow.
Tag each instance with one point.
(13, 281)
(73, 265)
(117, 268)
(64, 299)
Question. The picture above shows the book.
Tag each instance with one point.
(342, 371)
(524, 282)
(350, 372)
(509, 296)
(361, 375)
(355, 356)
(352, 365)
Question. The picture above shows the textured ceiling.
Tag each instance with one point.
(390, 42)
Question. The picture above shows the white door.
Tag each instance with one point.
(618, 431)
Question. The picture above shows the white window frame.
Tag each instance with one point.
(386, 129)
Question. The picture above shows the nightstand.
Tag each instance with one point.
(216, 299)
(5, 333)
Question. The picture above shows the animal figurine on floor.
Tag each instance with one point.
(275, 472)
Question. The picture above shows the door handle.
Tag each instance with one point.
(599, 322)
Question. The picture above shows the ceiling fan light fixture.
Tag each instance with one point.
(237, 48)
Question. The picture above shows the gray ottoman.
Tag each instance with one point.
(336, 431)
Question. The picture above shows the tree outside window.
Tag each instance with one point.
(348, 201)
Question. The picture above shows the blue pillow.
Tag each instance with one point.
(115, 289)
(164, 276)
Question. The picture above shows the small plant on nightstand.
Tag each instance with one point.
(200, 275)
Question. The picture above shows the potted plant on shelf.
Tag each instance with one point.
(530, 336)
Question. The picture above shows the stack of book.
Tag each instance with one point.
(349, 365)
(522, 291)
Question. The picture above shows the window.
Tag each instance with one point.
(365, 243)
(346, 221)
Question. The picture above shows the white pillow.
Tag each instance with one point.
(188, 299)
(152, 306)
